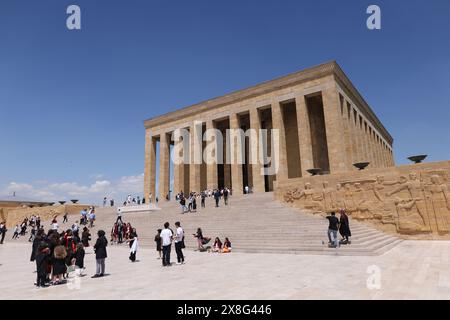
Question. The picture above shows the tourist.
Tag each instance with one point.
(226, 246)
(138, 200)
(190, 203)
(166, 239)
(133, 242)
(42, 263)
(119, 215)
(23, 227)
(114, 234)
(104, 202)
(38, 221)
(120, 230)
(71, 247)
(333, 229)
(54, 224)
(193, 203)
(16, 232)
(217, 246)
(158, 243)
(111, 202)
(143, 200)
(79, 259)
(75, 229)
(36, 242)
(225, 196)
(92, 218)
(3, 231)
(59, 264)
(129, 199)
(85, 237)
(100, 254)
(65, 217)
(83, 217)
(246, 190)
(32, 234)
(179, 242)
(217, 197)
(203, 196)
(201, 240)
(344, 227)
(183, 204)
(156, 200)
(127, 231)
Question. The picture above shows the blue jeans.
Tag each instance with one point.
(334, 239)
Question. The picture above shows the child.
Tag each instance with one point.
(226, 246)
(42, 259)
(59, 264)
(158, 243)
(79, 256)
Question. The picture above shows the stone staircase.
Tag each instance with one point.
(253, 223)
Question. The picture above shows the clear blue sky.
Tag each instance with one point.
(72, 103)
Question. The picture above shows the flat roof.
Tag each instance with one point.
(319, 71)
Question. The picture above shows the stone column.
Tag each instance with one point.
(164, 165)
(352, 154)
(149, 166)
(255, 150)
(178, 173)
(334, 130)
(211, 168)
(278, 123)
(195, 156)
(304, 136)
(236, 144)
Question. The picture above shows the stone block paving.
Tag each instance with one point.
(411, 270)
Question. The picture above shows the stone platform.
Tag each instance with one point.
(411, 270)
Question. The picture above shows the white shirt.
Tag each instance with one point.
(54, 226)
(180, 235)
(166, 236)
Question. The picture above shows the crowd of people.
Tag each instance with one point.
(54, 252)
(188, 202)
(121, 232)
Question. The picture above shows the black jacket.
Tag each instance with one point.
(80, 258)
(34, 248)
(100, 248)
(42, 260)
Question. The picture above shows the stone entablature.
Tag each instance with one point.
(409, 200)
(295, 84)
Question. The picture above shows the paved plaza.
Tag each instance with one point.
(411, 270)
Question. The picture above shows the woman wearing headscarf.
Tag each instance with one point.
(344, 227)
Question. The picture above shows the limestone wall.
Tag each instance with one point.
(412, 201)
(15, 216)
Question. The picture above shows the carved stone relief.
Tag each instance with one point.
(412, 201)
